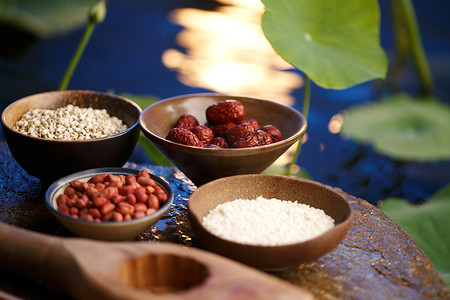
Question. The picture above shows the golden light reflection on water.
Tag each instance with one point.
(335, 124)
(226, 52)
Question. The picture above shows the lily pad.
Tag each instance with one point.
(428, 224)
(336, 43)
(45, 18)
(402, 127)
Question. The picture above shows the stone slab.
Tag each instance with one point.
(376, 260)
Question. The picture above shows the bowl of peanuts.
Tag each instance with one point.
(269, 222)
(57, 133)
(110, 204)
(209, 136)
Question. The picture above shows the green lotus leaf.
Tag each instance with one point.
(142, 100)
(275, 169)
(428, 224)
(336, 43)
(45, 18)
(153, 152)
(402, 127)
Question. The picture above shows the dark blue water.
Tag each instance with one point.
(124, 56)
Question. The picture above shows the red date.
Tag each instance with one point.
(187, 121)
(239, 131)
(259, 138)
(220, 141)
(225, 128)
(204, 134)
(273, 132)
(253, 122)
(183, 136)
(228, 111)
(222, 129)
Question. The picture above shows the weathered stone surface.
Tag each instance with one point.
(377, 259)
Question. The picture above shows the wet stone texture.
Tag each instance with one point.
(376, 260)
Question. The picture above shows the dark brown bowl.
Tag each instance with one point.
(202, 165)
(49, 159)
(314, 194)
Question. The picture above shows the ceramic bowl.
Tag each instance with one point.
(250, 187)
(202, 165)
(107, 231)
(49, 159)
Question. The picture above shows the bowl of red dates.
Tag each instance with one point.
(110, 204)
(209, 136)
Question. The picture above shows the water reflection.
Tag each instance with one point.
(335, 124)
(226, 52)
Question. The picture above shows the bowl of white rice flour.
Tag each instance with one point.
(267, 221)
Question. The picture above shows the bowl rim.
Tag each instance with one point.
(289, 140)
(111, 136)
(342, 224)
(86, 174)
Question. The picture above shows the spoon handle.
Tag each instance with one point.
(33, 254)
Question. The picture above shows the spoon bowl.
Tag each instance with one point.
(88, 269)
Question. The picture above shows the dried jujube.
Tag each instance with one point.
(228, 111)
(187, 121)
(259, 138)
(204, 134)
(219, 141)
(225, 128)
(273, 132)
(239, 131)
(253, 122)
(222, 129)
(183, 136)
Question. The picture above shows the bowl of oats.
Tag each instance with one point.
(270, 222)
(57, 133)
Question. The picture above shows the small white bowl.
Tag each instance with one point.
(108, 231)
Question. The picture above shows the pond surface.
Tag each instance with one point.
(165, 48)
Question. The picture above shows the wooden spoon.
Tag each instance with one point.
(88, 269)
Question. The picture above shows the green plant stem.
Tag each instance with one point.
(305, 111)
(418, 51)
(76, 57)
(306, 97)
(402, 47)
